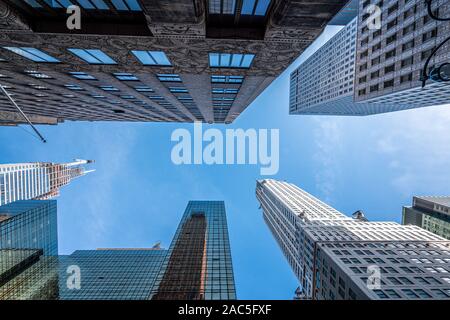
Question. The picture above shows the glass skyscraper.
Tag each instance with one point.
(28, 250)
(198, 265)
(29, 224)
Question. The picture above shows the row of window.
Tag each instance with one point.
(120, 5)
(249, 7)
(147, 58)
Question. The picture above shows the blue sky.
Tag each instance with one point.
(137, 196)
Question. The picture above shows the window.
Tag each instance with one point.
(389, 83)
(429, 35)
(230, 60)
(127, 97)
(143, 89)
(255, 7)
(392, 293)
(392, 24)
(405, 280)
(407, 62)
(380, 294)
(37, 74)
(392, 8)
(32, 54)
(123, 76)
(92, 56)
(178, 90)
(389, 69)
(425, 54)
(409, 29)
(126, 5)
(439, 293)
(169, 78)
(422, 293)
(222, 6)
(408, 45)
(152, 58)
(391, 39)
(390, 54)
(409, 293)
(73, 87)
(225, 90)
(376, 61)
(82, 76)
(227, 79)
(406, 78)
(108, 88)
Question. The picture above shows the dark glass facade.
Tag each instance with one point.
(112, 274)
(29, 224)
(28, 250)
(199, 264)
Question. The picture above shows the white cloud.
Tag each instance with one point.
(417, 144)
(328, 142)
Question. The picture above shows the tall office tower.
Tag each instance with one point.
(28, 250)
(429, 213)
(338, 257)
(39, 180)
(199, 265)
(150, 60)
(323, 84)
(389, 61)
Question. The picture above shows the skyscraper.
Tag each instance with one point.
(30, 224)
(28, 250)
(323, 84)
(429, 213)
(363, 71)
(39, 180)
(197, 266)
(150, 60)
(390, 60)
(338, 257)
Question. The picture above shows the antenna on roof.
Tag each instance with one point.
(359, 215)
(3, 89)
(157, 245)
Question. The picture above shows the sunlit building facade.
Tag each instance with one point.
(28, 250)
(390, 60)
(338, 257)
(197, 265)
(39, 180)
